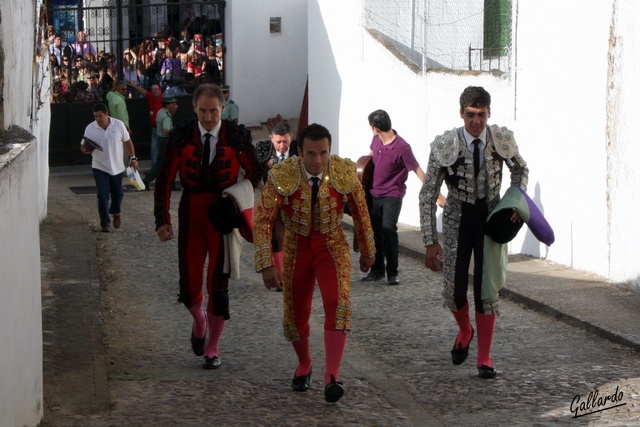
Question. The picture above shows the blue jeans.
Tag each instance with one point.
(155, 168)
(108, 185)
(385, 212)
(154, 146)
(144, 82)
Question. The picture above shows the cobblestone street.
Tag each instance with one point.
(397, 368)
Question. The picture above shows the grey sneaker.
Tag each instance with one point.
(393, 280)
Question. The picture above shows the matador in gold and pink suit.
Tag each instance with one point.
(315, 248)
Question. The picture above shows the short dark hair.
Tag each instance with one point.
(380, 119)
(281, 128)
(102, 107)
(208, 89)
(475, 96)
(314, 132)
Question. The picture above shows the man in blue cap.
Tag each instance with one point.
(164, 125)
(231, 110)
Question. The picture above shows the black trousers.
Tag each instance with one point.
(384, 214)
(470, 241)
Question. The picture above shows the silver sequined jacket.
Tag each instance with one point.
(452, 162)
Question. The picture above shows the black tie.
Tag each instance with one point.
(207, 150)
(314, 189)
(282, 157)
(476, 156)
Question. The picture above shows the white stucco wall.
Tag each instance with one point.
(569, 101)
(22, 77)
(267, 72)
(561, 123)
(18, 72)
(21, 401)
(624, 150)
(23, 193)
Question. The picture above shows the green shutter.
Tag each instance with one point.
(497, 27)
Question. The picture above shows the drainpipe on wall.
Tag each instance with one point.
(1, 86)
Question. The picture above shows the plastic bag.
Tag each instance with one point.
(134, 178)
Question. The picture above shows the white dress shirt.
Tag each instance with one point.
(215, 133)
(483, 142)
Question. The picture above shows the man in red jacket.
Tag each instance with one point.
(154, 99)
(207, 153)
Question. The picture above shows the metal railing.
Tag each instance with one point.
(489, 59)
(116, 25)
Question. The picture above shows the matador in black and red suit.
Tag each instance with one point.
(208, 154)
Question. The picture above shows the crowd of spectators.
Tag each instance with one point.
(83, 74)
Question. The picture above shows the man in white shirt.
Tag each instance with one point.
(112, 137)
(55, 50)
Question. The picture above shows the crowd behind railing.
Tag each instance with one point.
(82, 74)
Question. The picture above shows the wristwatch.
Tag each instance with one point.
(133, 159)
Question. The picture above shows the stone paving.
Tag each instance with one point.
(397, 369)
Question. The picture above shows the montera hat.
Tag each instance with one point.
(224, 215)
(500, 228)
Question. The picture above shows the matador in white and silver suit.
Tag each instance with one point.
(473, 183)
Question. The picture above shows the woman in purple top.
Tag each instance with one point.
(393, 159)
(171, 67)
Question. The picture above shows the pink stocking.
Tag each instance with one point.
(485, 324)
(334, 342)
(199, 320)
(216, 326)
(464, 323)
(304, 358)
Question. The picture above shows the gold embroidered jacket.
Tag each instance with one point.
(288, 193)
